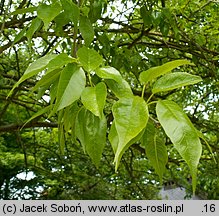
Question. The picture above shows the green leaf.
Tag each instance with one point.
(113, 137)
(174, 80)
(37, 66)
(89, 58)
(105, 43)
(154, 72)
(182, 133)
(61, 136)
(35, 25)
(156, 17)
(59, 61)
(155, 149)
(40, 91)
(39, 113)
(95, 10)
(130, 116)
(201, 135)
(48, 12)
(114, 140)
(115, 81)
(71, 10)
(66, 120)
(34, 68)
(61, 20)
(86, 30)
(74, 109)
(120, 89)
(20, 35)
(53, 92)
(109, 73)
(146, 16)
(24, 10)
(164, 27)
(71, 84)
(47, 79)
(94, 98)
(91, 131)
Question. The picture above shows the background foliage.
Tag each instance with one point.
(111, 47)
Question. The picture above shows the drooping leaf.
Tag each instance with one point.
(114, 140)
(34, 68)
(130, 116)
(66, 120)
(146, 16)
(201, 135)
(94, 98)
(47, 79)
(154, 72)
(95, 10)
(48, 12)
(174, 80)
(156, 17)
(74, 109)
(105, 42)
(71, 84)
(20, 35)
(89, 58)
(41, 91)
(164, 27)
(182, 133)
(61, 136)
(113, 137)
(91, 131)
(35, 25)
(71, 10)
(53, 92)
(86, 30)
(60, 116)
(155, 149)
(39, 113)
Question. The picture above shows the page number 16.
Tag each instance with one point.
(209, 208)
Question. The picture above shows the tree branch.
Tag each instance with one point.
(14, 127)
